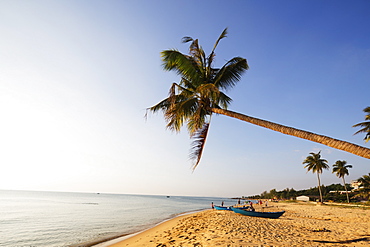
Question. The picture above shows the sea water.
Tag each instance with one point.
(56, 219)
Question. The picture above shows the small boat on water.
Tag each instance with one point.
(271, 215)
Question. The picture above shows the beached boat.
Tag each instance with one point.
(229, 208)
(271, 215)
(222, 208)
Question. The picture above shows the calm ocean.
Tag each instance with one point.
(56, 219)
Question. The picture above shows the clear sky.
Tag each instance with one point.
(77, 76)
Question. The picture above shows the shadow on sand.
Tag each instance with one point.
(344, 241)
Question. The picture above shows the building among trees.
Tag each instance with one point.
(302, 198)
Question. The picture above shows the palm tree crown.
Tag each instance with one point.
(198, 91)
(315, 163)
(340, 168)
(365, 125)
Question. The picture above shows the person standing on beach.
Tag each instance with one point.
(222, 203)
(212, 205)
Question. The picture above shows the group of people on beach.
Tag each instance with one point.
(251, 208)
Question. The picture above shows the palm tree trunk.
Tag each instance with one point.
(344, 183)
(328, 141)
(318, 179)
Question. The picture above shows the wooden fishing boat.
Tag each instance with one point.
(228, 208)
(222, 208)
(271, 215)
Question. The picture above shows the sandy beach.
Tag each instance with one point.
(303, 224)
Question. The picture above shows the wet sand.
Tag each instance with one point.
(303, 224)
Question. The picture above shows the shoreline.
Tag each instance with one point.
(133, 238)
(303, 224)
(109, 241)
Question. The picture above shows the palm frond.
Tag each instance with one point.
(198, 55)
(362, 124)
(223, 35)
(180, 112)
(212, 54)
(187, 85)
(186, 39)
(365, 125)
(183, 65)
(195, 50)
(197, 120)
(182, 90)
(367, 110)
(163, 105)
(172, 94)
(198, 144)
(231, 73)
(364, 130)
(224, 100)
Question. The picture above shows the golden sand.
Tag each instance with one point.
(303, 224)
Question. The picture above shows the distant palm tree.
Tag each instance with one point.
(365, 125)
(199, 94)
(365, 181)
(316, 164)
(365, 186)
(340, 168)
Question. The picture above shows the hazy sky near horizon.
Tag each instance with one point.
(77, 76)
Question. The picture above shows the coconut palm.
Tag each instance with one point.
(316, 164)
(199, 94)
(365, 186)
(340, 168)
(365, 125)
(365, 181)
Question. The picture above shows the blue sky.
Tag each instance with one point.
(77, 76)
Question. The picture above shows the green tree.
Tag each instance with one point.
(316, 164)
(273, 193)
(264, 195)
(365, 186)
(292, 193)
(340, 168)
(285, 194)
(199, 94)
(365, 125)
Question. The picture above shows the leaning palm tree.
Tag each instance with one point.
(199, 94)
(316, 164)
(365, 125)
(340, 168)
